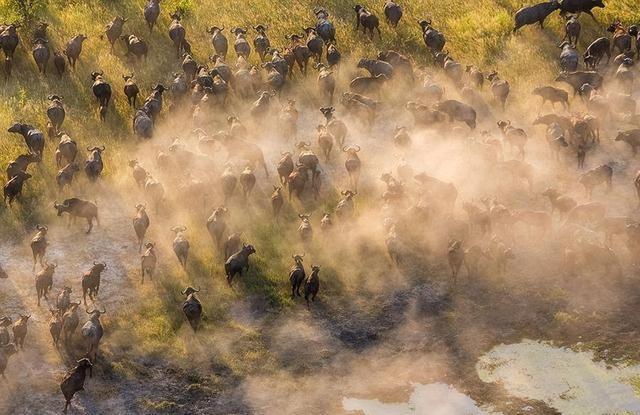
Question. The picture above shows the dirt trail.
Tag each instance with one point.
(33, 375)
(338, 337)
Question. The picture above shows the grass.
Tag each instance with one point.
(478, 32)
(164, 406)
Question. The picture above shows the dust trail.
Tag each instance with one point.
(390, 324)
(35, 372)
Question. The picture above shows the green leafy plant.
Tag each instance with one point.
(28, 10)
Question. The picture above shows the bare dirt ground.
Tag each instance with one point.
(374, 342)
(339, 349)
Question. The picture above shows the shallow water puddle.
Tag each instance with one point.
(431, 399)
(568, 381)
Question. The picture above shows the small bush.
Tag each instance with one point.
(184, 7)
(27, 10)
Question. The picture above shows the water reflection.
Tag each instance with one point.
(431, 399)
(566, 380)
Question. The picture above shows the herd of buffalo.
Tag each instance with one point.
(207, 88)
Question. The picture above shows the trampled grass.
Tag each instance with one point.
(477, 31)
